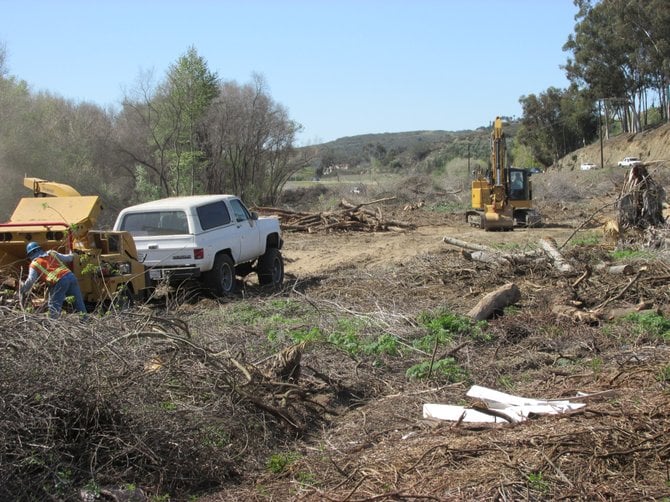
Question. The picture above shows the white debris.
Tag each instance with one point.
(499, 407)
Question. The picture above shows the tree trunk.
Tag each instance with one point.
(495, 302)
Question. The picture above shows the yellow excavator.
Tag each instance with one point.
(58, 217)
(502, 197)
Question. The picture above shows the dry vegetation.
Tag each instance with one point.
(200, 399)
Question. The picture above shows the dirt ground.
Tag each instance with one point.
(306, 254)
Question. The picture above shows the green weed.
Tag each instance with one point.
(536, 482)
(596, 365)
(506, 382)
(278, 462)
(443, 326)
(446, 369)
(245, 314)
(168, 406)
(306, 478)
(448, 207)
(650, 323)
(349, 342)
(215, 437)
(306, 335)
(383, 344)
(346, 335)
(664, 374)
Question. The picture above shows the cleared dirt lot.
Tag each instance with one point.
(189, 400)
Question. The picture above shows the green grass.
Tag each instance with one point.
(631, 255)
(587, 239)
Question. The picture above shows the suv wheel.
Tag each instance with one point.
(270, 268)
(221, 278)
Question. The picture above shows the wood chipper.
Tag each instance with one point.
(58, 217)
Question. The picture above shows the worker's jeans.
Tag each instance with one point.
(66, 286)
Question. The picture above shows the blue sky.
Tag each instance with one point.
(341, 68)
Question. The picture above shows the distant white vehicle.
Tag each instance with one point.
(629, 162)
(587, 166)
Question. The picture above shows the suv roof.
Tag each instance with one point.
(179, 202)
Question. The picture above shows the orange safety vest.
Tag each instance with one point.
(50, 267)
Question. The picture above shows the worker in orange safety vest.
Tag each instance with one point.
(50, 267)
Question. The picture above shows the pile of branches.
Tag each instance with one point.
(135, 399)
(350, 217)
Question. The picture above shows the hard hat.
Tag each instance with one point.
(33, 250)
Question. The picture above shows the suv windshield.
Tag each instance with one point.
(155, 223)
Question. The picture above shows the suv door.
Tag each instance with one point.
(250, 246)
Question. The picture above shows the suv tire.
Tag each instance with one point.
(221, 279)
(270, 268)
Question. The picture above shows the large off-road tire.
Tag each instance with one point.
(270, 268)
(221, 279)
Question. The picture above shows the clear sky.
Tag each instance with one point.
(341, 67)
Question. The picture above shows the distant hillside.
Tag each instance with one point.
(403, 150)
(652, 145)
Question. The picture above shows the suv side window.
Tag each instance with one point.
(213, 215)
(241, 212)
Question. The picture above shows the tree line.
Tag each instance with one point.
(188, 133)
(619, 73)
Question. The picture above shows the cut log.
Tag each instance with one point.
(467, 245)
(615, 269)
(495, 302)
(489, 253)
(484, 257)
(549, 246)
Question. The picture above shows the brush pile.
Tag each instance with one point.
(349, 217)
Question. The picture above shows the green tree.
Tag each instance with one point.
(620, 51)
(186, 95)
(556, 122)
(161, 128)
(250, 143)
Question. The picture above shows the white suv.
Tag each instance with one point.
(629, 162)
(210, 237)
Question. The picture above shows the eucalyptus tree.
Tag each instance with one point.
(620, 51)
(557, 122)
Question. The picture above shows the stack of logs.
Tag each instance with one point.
(350, 217)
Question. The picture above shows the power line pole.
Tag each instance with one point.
(600, 134)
